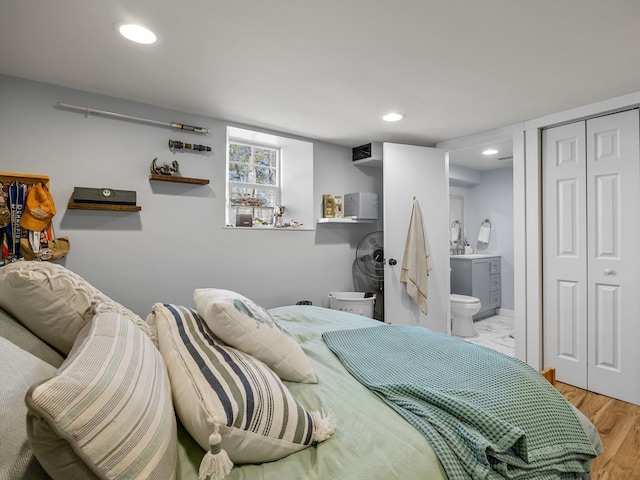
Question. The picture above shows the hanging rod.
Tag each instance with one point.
(177, 126)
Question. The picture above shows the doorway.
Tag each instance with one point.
(486, 185)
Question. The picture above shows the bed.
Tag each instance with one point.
(373, 438)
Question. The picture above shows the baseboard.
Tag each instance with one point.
(506, 313)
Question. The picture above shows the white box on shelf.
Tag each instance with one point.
(361, 205)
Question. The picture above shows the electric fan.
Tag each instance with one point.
(368, 271)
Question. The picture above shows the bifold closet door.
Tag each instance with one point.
(565, 252)
(613, 196)
(591, 225)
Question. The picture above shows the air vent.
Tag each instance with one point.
(370, 151)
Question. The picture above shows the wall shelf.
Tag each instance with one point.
(26, 178)
(171, 178)
(350, 220)
(102, 206)
(368, 162)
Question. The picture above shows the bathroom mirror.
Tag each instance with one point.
(456, 209)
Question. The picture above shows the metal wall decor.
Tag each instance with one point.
(121, 116)
(172, 169)
(178, 145)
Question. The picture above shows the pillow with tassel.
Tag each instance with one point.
(231, 403)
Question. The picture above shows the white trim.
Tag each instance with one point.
(516, 132)
(611, 105)
(505, 313)
(502, 133)
(519, 243)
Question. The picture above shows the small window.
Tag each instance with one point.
(265, 173)
(253, 181)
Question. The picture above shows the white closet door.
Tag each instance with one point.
(591, 228)
(565, 253)
(613, 178)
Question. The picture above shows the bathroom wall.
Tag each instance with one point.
(491, 198)
(178, 241)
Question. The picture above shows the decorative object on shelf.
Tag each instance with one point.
(165, 168)
(292, 224)
(244, 220)
(178, 145)
(329, 208)
(104, 195)
(121, 116)
(278, 212)
(361, 205)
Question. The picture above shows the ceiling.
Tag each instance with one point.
(330, 69)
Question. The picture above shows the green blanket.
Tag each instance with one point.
(485, 414)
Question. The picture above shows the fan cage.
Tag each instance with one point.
(370, 256)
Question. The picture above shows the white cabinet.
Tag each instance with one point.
(478, 277)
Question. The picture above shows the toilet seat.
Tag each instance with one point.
(465, 299)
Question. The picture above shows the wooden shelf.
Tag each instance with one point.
(345, 220)
(171, 178)
(27, 178)
(103, 206)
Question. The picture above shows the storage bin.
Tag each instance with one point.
(354, 302)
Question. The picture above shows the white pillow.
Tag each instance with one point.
(224, 395)
(107, 411)
(245, 325)
(55, 303)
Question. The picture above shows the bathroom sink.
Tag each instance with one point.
(475, 255)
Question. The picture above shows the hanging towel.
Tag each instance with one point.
(485, 233)
(416, 262)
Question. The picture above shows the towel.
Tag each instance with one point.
(416, 262)
(485, 233)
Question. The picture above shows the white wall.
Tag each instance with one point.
(492, 198)
(177, 241)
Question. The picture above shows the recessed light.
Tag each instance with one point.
(490, 151)
(393, 117)
(137, 33)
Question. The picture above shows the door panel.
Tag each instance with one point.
(565, 253)
(613, 173)
(410, 171)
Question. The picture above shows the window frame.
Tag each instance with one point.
(275, 188)
(295, 179)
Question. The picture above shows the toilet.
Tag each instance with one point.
(463, 308)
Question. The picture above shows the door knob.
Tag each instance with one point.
(392, 261)
(609, 271)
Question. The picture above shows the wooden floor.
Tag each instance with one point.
(619, 426)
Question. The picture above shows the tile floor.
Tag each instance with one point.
(495, 332)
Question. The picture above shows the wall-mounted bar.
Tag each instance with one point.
(121, 116)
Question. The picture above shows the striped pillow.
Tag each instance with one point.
(256, 415)
(107, 412)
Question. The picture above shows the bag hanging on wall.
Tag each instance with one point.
(57, 248)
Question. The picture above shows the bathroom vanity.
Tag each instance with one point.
(478, 275)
